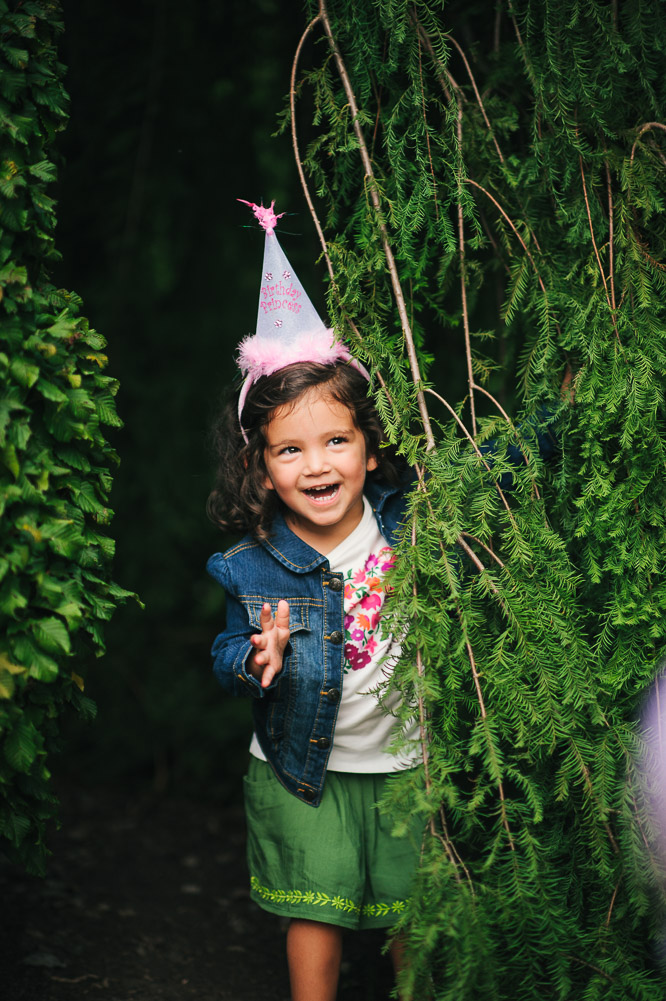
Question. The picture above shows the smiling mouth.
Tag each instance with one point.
(322, 494)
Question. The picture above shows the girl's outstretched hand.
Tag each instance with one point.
(266, 659)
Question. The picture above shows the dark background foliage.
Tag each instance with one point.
(172, 111)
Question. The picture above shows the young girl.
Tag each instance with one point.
(304, 594)
(301, 471)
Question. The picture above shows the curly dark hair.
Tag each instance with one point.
(239, 499)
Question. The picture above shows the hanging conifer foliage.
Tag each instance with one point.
(55, 590)
(488, 183)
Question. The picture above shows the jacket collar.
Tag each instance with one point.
(291, 551)
(378, 491)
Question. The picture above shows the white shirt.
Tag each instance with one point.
(364, 730)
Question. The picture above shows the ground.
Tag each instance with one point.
(146, 899)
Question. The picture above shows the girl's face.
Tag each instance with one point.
(316, 462)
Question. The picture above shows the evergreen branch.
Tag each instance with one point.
(476, 561)
(423, 731)
(475, 674)
(476, 448)
(388, 253)
(443, 838)
(297, 156)
(308, 197)
(610, 237)
(645, 128)
(591, 793)
(424, 36)
(451, 849)
(477, 95)
(481, 107)
(612, 903)
(523, 48)
(511, 425)
(596, 251)
(490, 552)
(425, 129)
(475, 184)
(591, 966)
(463, 289)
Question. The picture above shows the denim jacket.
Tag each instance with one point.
(295, 716)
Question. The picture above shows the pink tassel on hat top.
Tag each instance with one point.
(266, 217)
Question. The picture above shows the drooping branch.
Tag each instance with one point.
(470, 656)
(596, 252)
(478, 96)
(425, 129)
(475, 184)
(463, 277)
(444, 838)
(611, 265)
(297, 156)
(474, 446)
(388, 252)
(642, 130)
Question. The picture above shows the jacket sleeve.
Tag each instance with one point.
(232, 647)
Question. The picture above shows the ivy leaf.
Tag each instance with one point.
(10, 460)
(44, 170)
(7, 665)
(24, 373)
(52, 635)
(21, 746)
(7, 685)
(51, 392)
(15, 827)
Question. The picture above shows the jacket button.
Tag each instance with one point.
(336, 636)
(309, 794)
(333, 694)
(335, 584)
(323, 742)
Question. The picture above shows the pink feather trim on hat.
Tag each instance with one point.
(259, 356)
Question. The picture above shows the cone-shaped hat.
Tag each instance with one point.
(289, 328)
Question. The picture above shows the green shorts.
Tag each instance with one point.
(338, 862)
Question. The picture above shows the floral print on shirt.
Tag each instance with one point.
(363, 600)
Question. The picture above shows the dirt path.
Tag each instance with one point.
(147, 900)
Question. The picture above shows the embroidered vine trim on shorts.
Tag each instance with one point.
(319, 899)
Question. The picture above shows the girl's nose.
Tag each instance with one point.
(317, 462)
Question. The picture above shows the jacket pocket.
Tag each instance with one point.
(284, 698)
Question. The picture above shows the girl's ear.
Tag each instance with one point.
(371, 463)
(267, 483)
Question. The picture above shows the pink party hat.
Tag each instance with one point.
(289, 328)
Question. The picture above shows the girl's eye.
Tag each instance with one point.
(288, 450)
(338, 440)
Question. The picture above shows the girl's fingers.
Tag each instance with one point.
(282, 614)
(268, 676)
(268, 644)
(266, 620)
